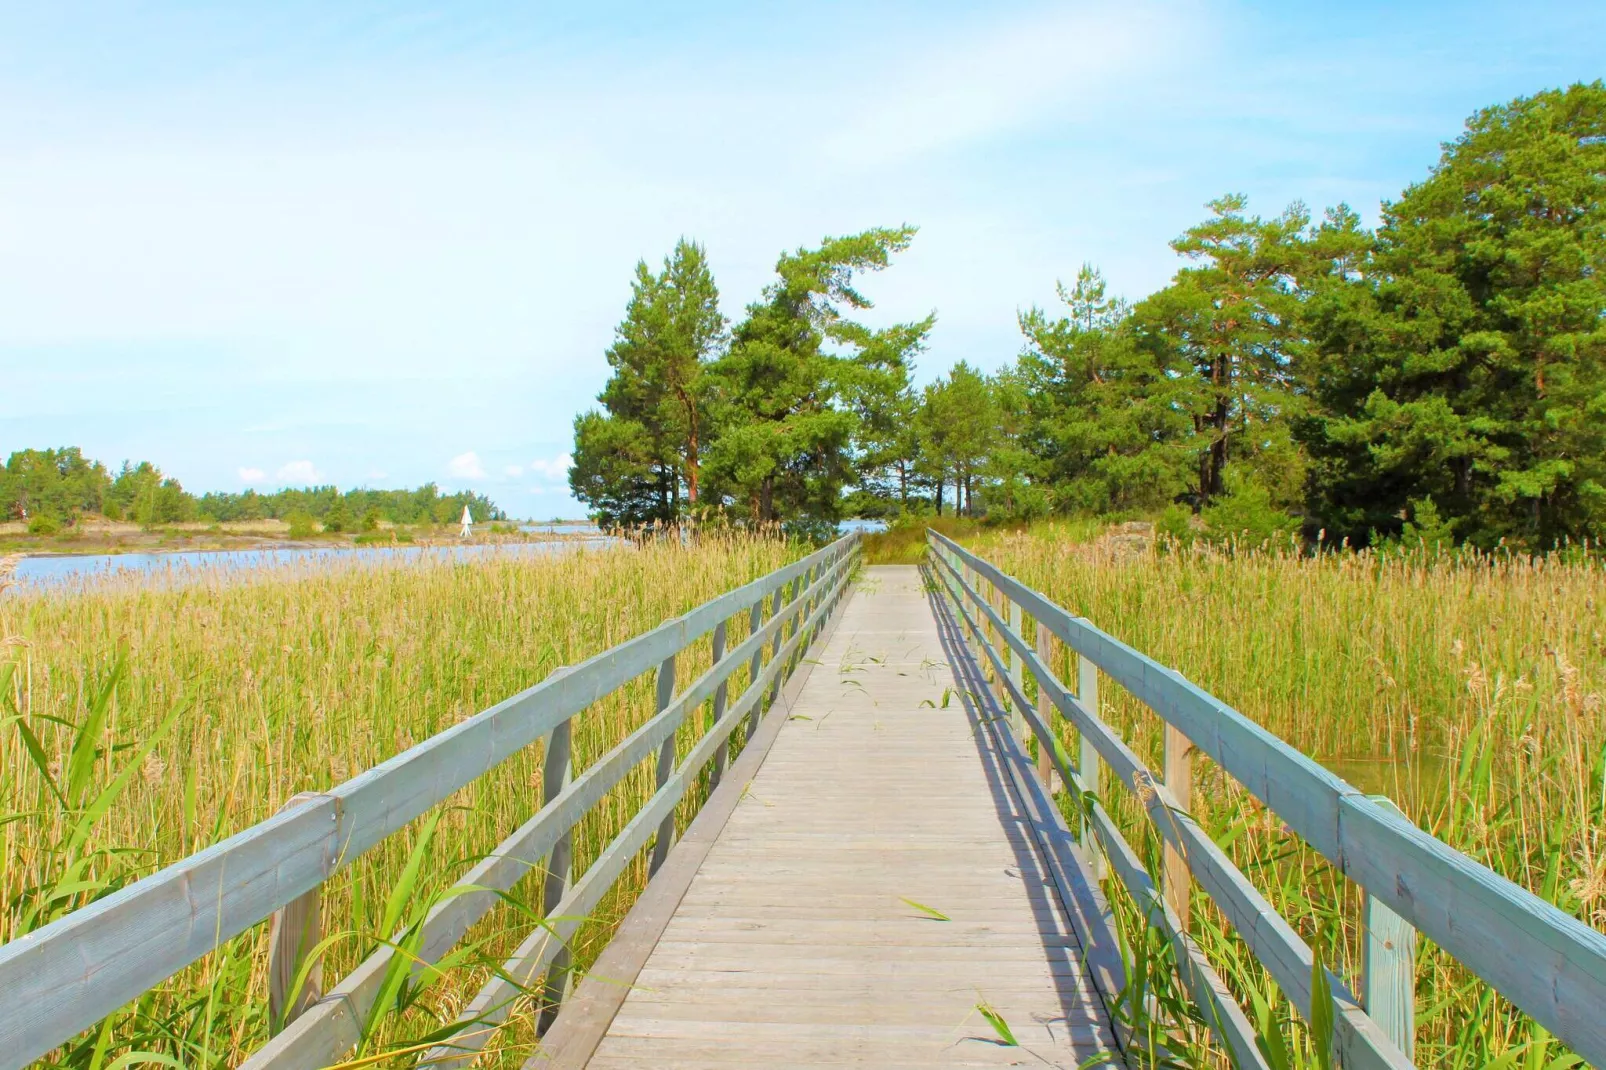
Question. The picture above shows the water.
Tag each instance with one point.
(45, 571)
(866, 526)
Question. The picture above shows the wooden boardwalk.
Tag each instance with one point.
(797, 942)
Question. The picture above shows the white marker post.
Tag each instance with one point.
(468, 525)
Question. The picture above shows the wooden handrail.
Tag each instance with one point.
(64, 977)
(1546, 962)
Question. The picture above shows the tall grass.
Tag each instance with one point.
(1468, 690)
(140, 722)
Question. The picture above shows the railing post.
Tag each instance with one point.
(1045, 710)
(666, 765)
(991, 634)
(1088, 763)
(755, 621)
(783, 598)
(723, 753)
(296, 930)
(557, 769)
(1017, 719)
(1179, 781)
(1388, 967)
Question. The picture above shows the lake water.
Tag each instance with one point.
(68, 568)
(44, 571)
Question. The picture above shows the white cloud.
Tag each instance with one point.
(252, 475)
(513, 471)
(302, 472)
(554, 469)
(466, 466)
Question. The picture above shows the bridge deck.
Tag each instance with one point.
(797, 944)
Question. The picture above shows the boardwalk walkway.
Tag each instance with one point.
(797, 942)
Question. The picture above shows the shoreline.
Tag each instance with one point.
(178, 544)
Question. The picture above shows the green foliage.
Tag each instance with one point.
(423, 505)
(62, 484)
(1245, 515)
(1175, 524)
(631, 459)
(801, 383)
(370, 519)
(59, 483)
(302, 525)
(337, 518)
(1224, 335)
(1466, 362)
(43, 524)
(1106, 417)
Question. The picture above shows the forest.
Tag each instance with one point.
(1442, 376)
(52, 489)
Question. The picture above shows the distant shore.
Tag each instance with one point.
(115, 537)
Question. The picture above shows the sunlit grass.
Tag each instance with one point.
(205, 706)
(1467, 690)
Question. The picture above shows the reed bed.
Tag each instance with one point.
(141, 721)
(1467, 689)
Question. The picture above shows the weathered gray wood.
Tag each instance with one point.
(1357, 1040)
(556, 772)
(585, 1018)
(1045, 714)
(1210, 994)
(1088, 762)
(1546, 962)
(1388, 967)
(1177, 761)
(666, 765)
(321, 1035)
(1017, 717)
(873, 793)
(755, 617)
(722, 755)
(1079, 893)
(490, 1007)
(294, 983)
(68, 975)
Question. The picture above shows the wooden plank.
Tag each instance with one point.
(64, 977)
(490, 1007)
(1388, 967)
(1545, 961)
(873, 798)
(584, 1020)
(297, 930)
(1177, 761)
(1357, 1039)
(332, 1027)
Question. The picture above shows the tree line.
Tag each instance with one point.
(1445, 371)
(55, 488)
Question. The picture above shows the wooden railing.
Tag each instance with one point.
(1547, 963)
(67, 976)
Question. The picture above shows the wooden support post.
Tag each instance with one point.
(782, 596)
(666, 765)
(1045, 712)
(755, 620)
(296, 930)
(557, 769)
(1179, 781)
(722, 755)
(1089, 766)
(1388, 968)
(1017, 720)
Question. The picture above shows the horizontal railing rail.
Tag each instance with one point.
(1546, 962)
(67, 976)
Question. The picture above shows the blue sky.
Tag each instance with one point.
(385, 243)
